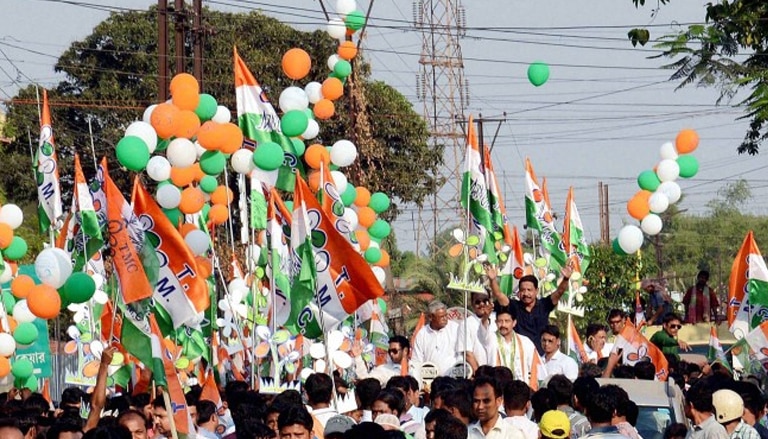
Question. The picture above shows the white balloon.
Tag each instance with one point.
(332, 60)
(668, 151)
(145, 132)
(343, 153)
(147, 116)
(158, 168)
(168, 196)
(12, 215)
(380, 274)
(651, 224)
(336, 28)
(313, 129)
(53, 266)
(374, 244)
(340, 180)
(668, 170)
(672, 190)
(658, 202)
(630, 239)
(181, 153)
(293, 98)
(242, 161)
(199, 150)
(198, 241)
(21, 312)
(344, 7)
(223, 115)
(351, 216)
(7, 273)
(314, 91)
(7, 344)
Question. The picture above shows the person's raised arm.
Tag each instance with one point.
(563, 285)
(99, 396)
(492, 274)
(613, 360)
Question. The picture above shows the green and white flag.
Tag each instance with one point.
(748, 289)
(716, 352)
(539, 217)
(573, 235)
(46, 166)
(279, 257)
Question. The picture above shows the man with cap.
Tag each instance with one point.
(729, 408)
(337, 426)
(554, 424)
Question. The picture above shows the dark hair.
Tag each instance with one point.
(234, 387)
(562, 389)
(750, 394)
(594, 328)
(288, 397)
(460, 400)
(108, 432)
(253, 428)
(294, 415)
(502, 375)
(632, 412)
(624, 371)
(485, 370)
(645, 370)
(529, 278)
(248, 407)
(193, 395)
(542, 401)
(140, 400)
(394, 434)
(700, 396)
(118, 404)
(438, 415)
(616, 313)
(450, 428)
(398, 382)
(368, 430)
(63, 424)
(704, 273)
(413, 383)
(671, 317)
(73, 396)
(393, 399)
(506, 310)
(516, 395)
(26, 420)
(130, 413)
(366, 391)
(319, 388)
(439, 384)
(37, 403)
(205, 411)
(552, 330)
(621, 397)
(601, 406)
(676, 431)
(401, 340)
(488, 381)
(159, 401)
(590, 369)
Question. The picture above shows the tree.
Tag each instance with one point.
(706, 55)
(111, 76)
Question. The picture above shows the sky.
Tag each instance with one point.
(602, 116)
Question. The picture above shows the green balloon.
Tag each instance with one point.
(380, 229)
(689, 166)
(162, 144)
(379, 202)
(16, 250)
(22, 368)
(355, 20)
(269, 155)
(29, 383)
(132, 153)
(648, 180)
(209, 184)
(538, 73)
(342, 68)
(333, 167)
(372, 255)
(298, 147)
(310, 114)
(26, 333)
(213, 162)
(174, 216)
(8, 300)
(205, 210)
(617, 248)
(294, 123)
(79, 287)
(206, 109)
(349, 195)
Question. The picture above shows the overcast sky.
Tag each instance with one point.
(601, 117)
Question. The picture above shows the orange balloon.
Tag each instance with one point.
(687, 141)
(332, 89)
(199, 173)
(6, 235)
(638, 205)
(186, 99)
(44, 301)
(182, 177)
(347, 50)
(184, 82)
(315, 155)
(218, 214)
(231, 138)
(186, 228)
(187, 124)
(207, 135)
(163, 120)
(313, 179)
(366, 216)
(192, 200)
(296, 63)
(363, 238)
(363, 197)
(222, 195)
(21, 286)
(5, 367)
(324, 109)
(12, 324)
(384, 261)
(204, 267)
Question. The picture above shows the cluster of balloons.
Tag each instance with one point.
(658, 191)
(12, 247)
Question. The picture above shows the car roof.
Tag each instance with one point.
(645, 393)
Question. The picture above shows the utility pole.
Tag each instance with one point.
(197, 41)
(162, 50)
(603, 212)
(181, 27)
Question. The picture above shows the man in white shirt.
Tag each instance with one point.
(436, 342)
(486, 401)
(517, 404)
(512, 350)
(468, 339)
(399, 350)
(319, 390)
(555, 361)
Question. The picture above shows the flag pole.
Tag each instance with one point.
(169, 410)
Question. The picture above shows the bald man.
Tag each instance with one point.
(10, 432)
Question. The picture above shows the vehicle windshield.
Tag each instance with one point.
(652, 421)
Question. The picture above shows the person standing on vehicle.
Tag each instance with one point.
(699, 409)
(700, 300)
(667, 339)
(729, 408)
(659, 300)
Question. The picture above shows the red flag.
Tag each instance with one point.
(210, 389)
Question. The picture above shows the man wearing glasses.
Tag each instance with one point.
(667, 340)
(399, 349)
(468, 340)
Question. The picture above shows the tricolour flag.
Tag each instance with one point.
(513, 269)
(758, 344)
(279, 256)
(180, 291)
(474, 196)
(259, 121)
(637, 348)
(716, 352)
(577, 351)
(747, 289)
(539, 217)
(126, 240)
(573, 236)
(50, 209)
(496, 201)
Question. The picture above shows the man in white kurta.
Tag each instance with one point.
(507, 348)
(436, 342)
(468, 339)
